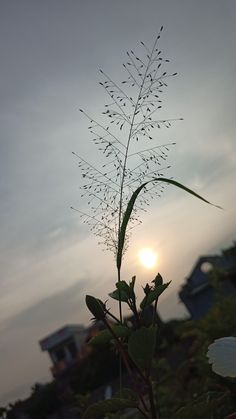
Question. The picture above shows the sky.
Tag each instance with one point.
(51, 53)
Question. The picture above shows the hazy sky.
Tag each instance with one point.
(50, 53)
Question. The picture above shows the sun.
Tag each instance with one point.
(148, 258)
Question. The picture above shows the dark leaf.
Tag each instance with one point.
(95, 306)
(130, 207)
(119, 296)
(98, 410)
(126, 393)
(158, 280)
(105, 336)
(153, 295)
(132, 283)
(122, 286)
(141, 346)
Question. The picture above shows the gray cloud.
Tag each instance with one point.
(56, 308)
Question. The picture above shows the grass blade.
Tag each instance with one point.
(130, 207)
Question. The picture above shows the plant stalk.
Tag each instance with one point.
(151, 398)
(123, 354)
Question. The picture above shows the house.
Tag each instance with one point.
(68, 346)
(199, 291)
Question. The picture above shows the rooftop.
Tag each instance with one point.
(60, 335)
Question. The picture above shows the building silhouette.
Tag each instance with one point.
(211, 276)
(67, 346)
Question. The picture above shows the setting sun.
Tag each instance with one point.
(148, 258)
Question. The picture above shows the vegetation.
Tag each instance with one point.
(196, 391)
(184, 384)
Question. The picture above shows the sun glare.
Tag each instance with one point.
(148, 258)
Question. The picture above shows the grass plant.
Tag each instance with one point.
(117, 193)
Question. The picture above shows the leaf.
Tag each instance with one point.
(126, 393)
(123, 287)
(130, 207)
(203, 407)
(141, 346)
(95, 306)
(98, 410)
(120, 296)
(195, 411)
(158, 280)
(153, 295)
(105, 336)
(123, 292)
(132, 283)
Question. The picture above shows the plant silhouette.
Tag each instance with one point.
(133, 173)
(126, 137)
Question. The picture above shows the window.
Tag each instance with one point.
(72, 349)
(60, 354)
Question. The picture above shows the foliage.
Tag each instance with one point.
(98, 410)
(183, 382)
(195, 390)
(100, 367)
(3, 412)
(141, 354)
(43, 401)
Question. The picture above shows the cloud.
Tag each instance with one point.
(59, 307)
(20, 335)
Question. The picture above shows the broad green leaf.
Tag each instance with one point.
(126, 393)
(105, 336)
(130, 207)
(196, 411)
(119, 295)
(141, 346)
(95, 306)
(123, 292)
(153, 295)
(158, 280)
(124, 287)
(98, 410)
(206, 406)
